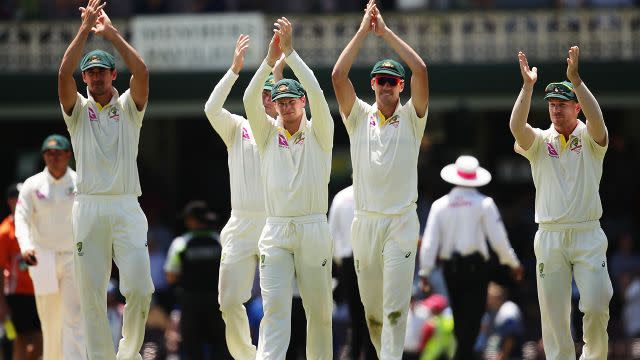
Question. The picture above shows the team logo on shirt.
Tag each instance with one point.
(245, 134)
(552, 151)
(541, 269)
(282, 141)
(114, 113)
(299, 138)
(40, 195)
(262, 258)
(92, 114)
(575, 145)
(372, 120)
(79, 247)
(394, 121)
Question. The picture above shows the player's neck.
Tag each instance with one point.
(387, 109)
(566, 130)
(292, 126)
(103, 100)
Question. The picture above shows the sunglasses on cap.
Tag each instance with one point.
(383, 80)
(558, 87)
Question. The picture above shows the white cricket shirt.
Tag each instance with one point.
(340, 219)
(43, 213)
(105, 144)
(243, 157)
(567, 178)
(384, 155)
(460, 222)
(295, 168)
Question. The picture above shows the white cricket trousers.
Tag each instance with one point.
(239, 239)
(62, 334)
(384, 252)
(105, 228)
(563, 250)
(299, 247)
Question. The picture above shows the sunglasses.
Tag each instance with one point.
(561, 87)
(383, 80)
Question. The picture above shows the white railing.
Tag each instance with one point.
(441, 38)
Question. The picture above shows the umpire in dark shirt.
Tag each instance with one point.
(192, 266)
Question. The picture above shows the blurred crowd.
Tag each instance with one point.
(61, 9)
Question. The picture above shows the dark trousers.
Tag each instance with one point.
(360, 341)
(202, 327)
(467, 281)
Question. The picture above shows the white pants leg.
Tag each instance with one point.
(49, 307)
(559, 255)
(384, 250)
(73, 338)
(92, 236)
(239, 240)
(107, 227)
(300, 246)
(313, 262)
(592, 278)
(131, 255)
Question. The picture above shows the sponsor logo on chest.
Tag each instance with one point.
(552, 150)
(282, 141)
(245, 134)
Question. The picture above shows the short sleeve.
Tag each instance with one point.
(358, 113)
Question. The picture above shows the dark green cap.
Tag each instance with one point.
(268, 85)
(560, 90)
(388, 67)
(97, 58)
(287, 88)
(56, 142)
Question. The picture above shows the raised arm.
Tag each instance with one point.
(588, 102)
(521, 130)
(320, 113)
(252, 95)
(67, 90)
(139, 82)
(342, 86)
(419, 78)
(221, 120)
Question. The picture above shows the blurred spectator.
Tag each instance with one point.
(501, 333)
(17, 301)
(623, 259)
(437, 336)
(298, 340)
(610, 3)
(192, 265)
(157, 259)
(631, 307)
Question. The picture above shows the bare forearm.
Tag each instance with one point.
(520, 112)
(593, 113)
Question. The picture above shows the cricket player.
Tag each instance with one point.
(457, 230)
(240, 235)
(43, 229)
(566, 164)
(108, 222)
(296, 163)
(385, 141)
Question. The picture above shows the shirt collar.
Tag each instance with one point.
(114, 97)
(574, 133)
(301, 128)
(378, 112)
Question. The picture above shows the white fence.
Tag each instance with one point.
(205, 42)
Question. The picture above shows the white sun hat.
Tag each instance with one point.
(465, 172)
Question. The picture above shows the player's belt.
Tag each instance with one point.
(306, 219)
(580, 226)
